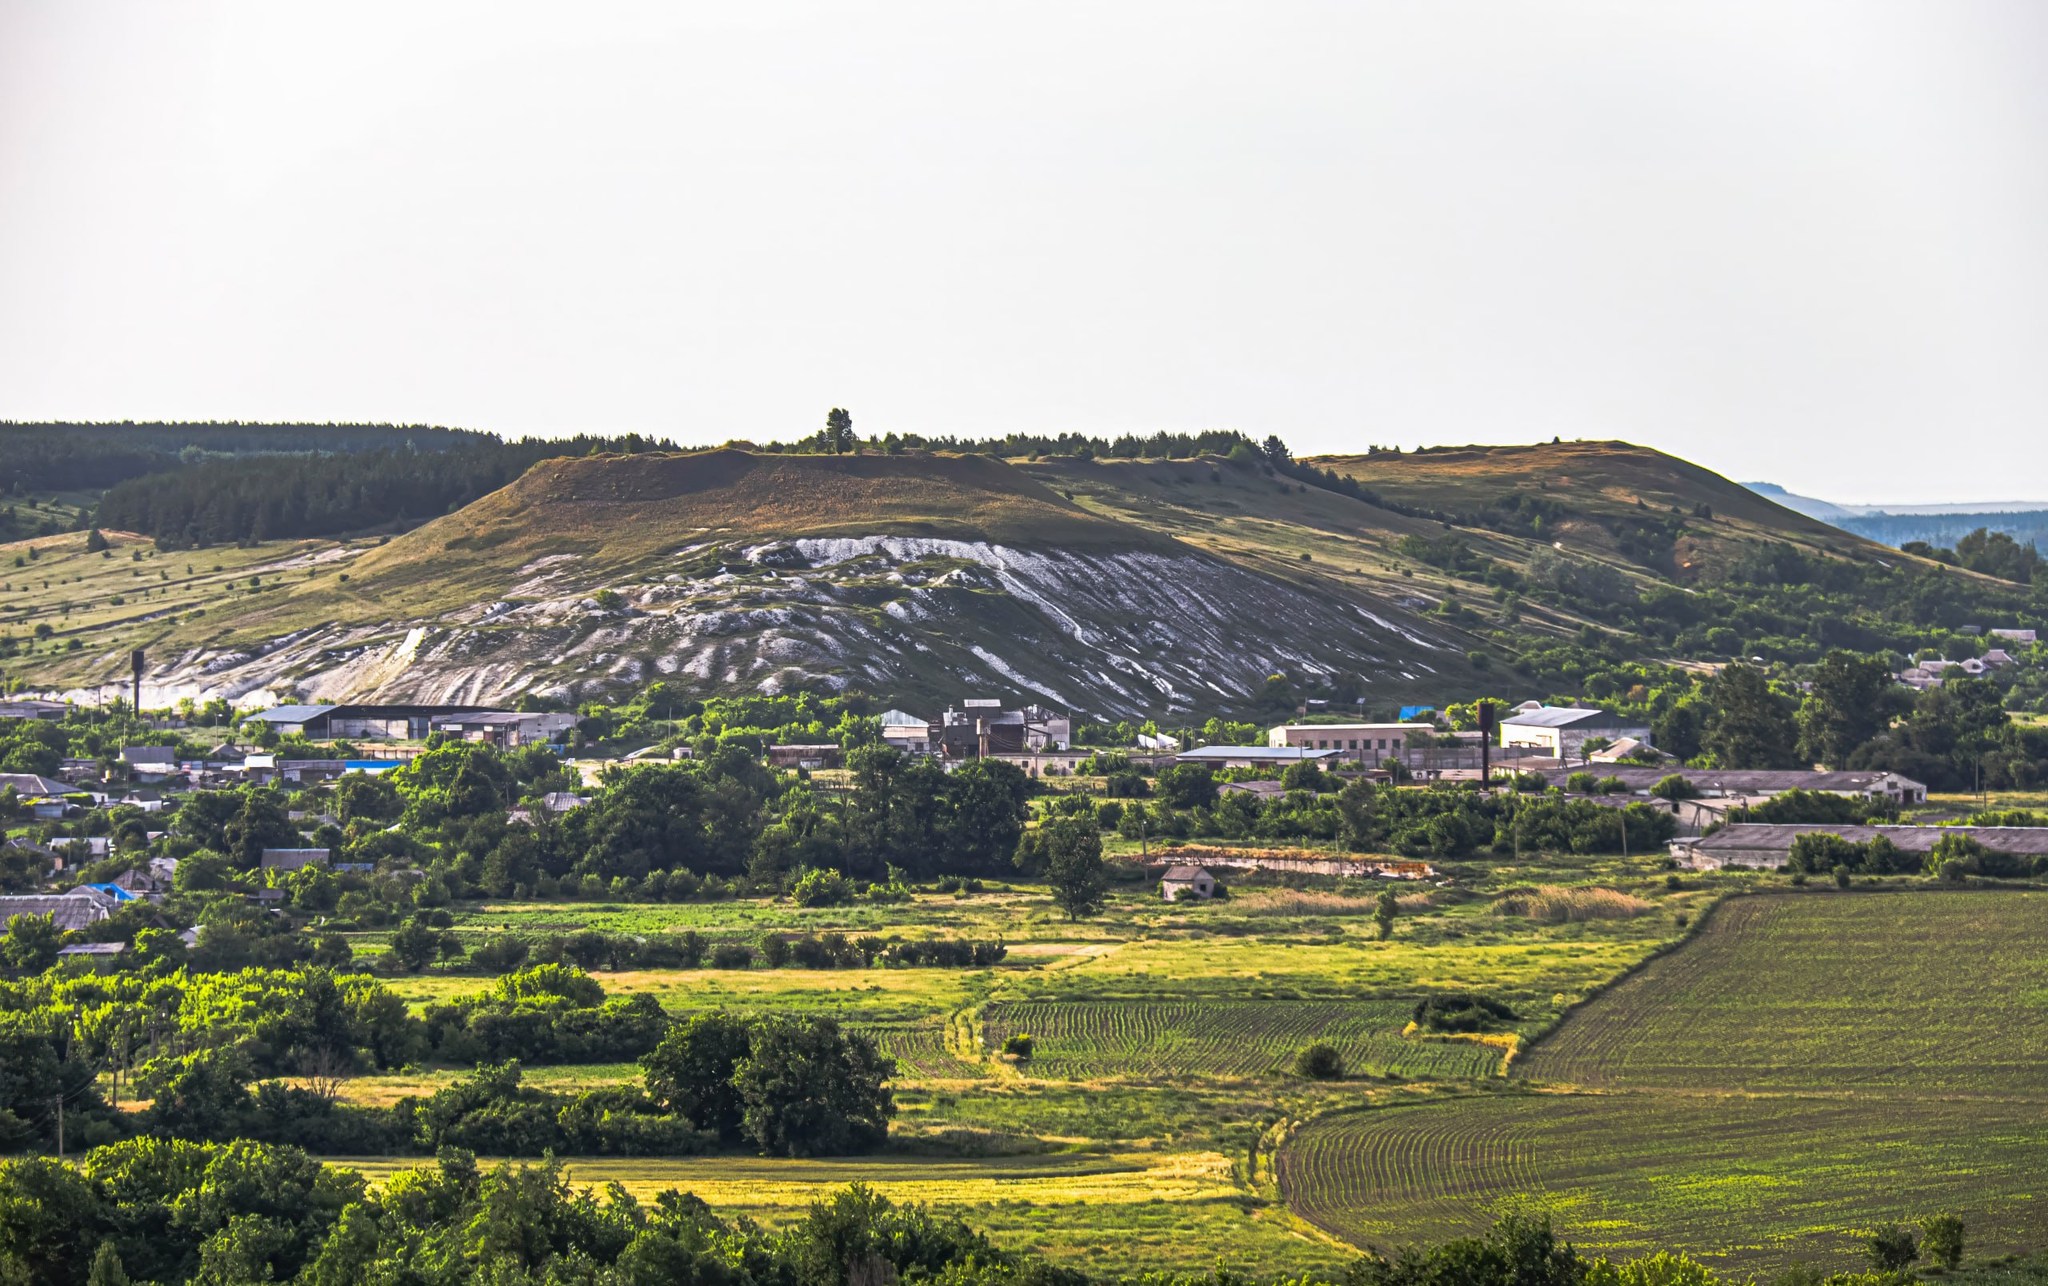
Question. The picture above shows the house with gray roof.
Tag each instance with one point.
(74, 910)
(1561, 732)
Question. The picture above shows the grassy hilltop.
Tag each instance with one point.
(1121, 585)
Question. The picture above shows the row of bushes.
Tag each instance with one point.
(420, 942)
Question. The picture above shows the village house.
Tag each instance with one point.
(150, 763)
(354, 722)
(1761, 783)
(506, 729)
(1626, 748)
(1561, 732)
(555, 802)
(810, 758)
(1769, 846)
(45, 799)
(909, 733)
(71, 911)
(30, 708)
(1256, 756)
(1259, 790)
(1363, 743)
(982, 726)
(1185, 882)
(293, 859)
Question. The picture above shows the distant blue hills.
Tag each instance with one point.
(1942, 525)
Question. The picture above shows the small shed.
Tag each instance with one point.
(293, 859)
(1186, 881)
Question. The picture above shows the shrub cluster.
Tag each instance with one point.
(1461, 1011)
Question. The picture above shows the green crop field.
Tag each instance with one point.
(1093, 1039)
(1828, 992)
(1749, 1181)
(1806, 1067)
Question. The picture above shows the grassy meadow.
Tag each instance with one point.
(1750, 1077)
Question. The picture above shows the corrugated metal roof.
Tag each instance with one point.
(28, 783)
(1278, 754)
(1568, 717)
(1750, 780)
(291, 714)
(1912, 839)
(70, 910)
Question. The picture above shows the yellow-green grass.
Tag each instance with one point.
(994, 913)
(2036, 800)
(1117, 1212)
(876, 994)
(1925, 990)
(1348, 960)
(1749, 1181)
(619, 516)
(387, 1088)
(191, 593)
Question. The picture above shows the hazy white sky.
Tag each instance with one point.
(1804, 242)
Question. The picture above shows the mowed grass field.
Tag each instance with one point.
(1808, 1066)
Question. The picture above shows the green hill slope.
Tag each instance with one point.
(1116, 586)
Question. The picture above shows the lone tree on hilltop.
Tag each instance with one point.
(838, 434)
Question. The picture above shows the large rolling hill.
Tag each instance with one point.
(1114, 586)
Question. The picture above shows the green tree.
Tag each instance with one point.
(1891, 1248)
(1068, 851)
(31, 944)
(1850, 701)
(199, 1096)
(690, 1072)
(1385, 908)
(260, 823)
(1320, 1062)
(1941, 1240)
(415, 945)
(107, 1269)
(1520, 1250)
(1750, 726)
(987, 800)
(838, 435)
(807, 1088)
(1675, 786)
(1187, 786)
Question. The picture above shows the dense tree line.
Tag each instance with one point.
(43, 456)
(173, 1212)
(255, 498)
(209, 1052)
(1993, 553)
